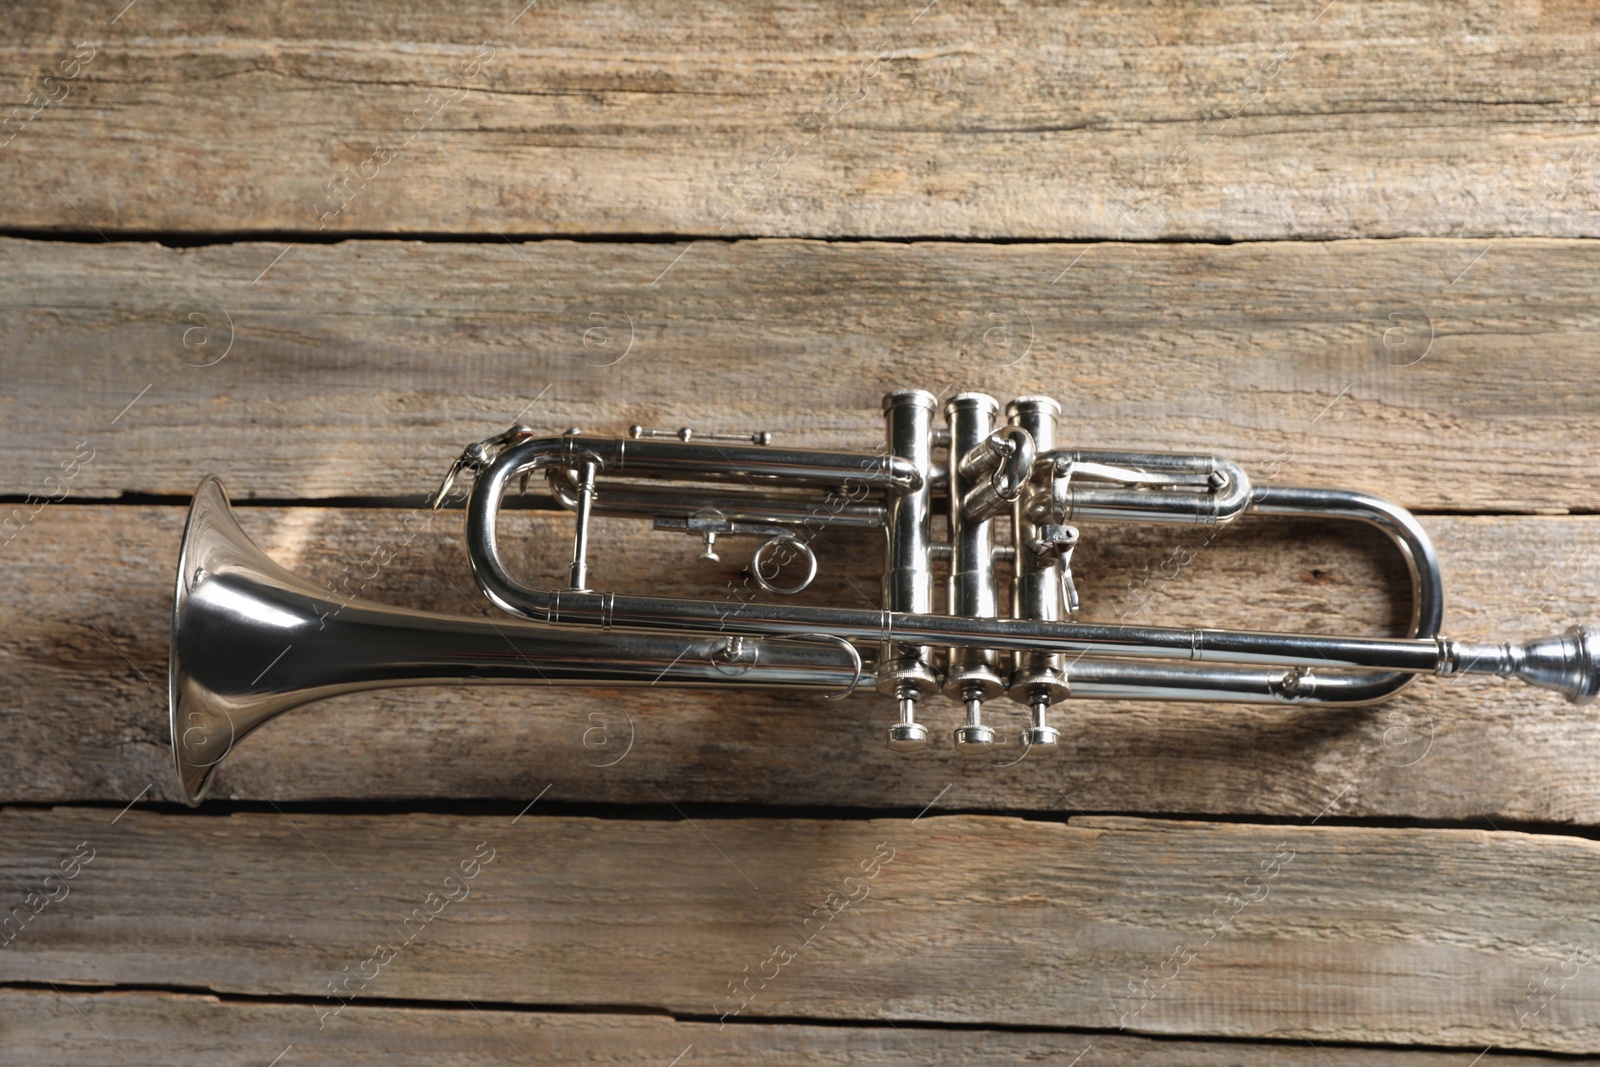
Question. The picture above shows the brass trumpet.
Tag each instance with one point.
(235, 610)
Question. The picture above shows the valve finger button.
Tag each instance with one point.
(974, 740)
(907, 737)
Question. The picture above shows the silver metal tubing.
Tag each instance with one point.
(743, 463)
(636, 500)
(971, 583)
(1105, 679)
(580, 540)
(906, 668)
(1414, 546)
(993, 471)
(988, 497)
(1037, 677)
(693, 460)
(1017, 635)
(1568, 663)
(971, 676)
(1225, 495)
(903, 628)
(907, 579)
(1398, 524)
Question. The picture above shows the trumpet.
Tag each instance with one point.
(982, 612)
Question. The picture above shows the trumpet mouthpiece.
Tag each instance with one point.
(1567, 662)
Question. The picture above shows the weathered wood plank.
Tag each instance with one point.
(363, 368)
(1338, 934)
(45, 1029)
(1095, 120)
(83, 666)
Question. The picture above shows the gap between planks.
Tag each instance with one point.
(438, 1035)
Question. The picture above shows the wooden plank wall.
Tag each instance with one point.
(316, 248)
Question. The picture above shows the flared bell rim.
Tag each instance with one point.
(210, 503)
(207, 498)
(212, 710)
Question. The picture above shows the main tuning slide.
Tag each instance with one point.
(983, 614)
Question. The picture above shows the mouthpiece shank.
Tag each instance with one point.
(1568, 662)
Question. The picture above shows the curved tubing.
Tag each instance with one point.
(1394, 658)
(1398, 524)
(1084, 502)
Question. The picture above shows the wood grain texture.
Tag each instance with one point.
(83, 669)
(1236, 162)
(1230, 119)
(1442, 374)
(49, 1029)
(1338, 934)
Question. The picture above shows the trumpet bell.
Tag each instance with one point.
(233, 614)
(250, 640)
